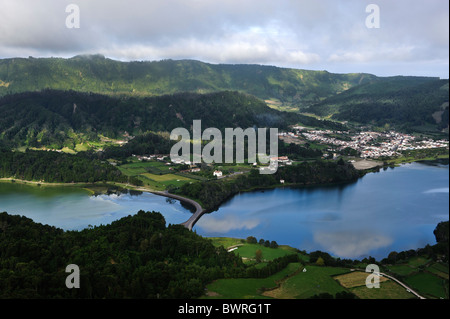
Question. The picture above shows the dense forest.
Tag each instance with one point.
(140, 256)
(95, 73)
(65, 118)
(148, 143)
(55, 167)
(213, 193)
(92, 95)
(405, 103)
(135, 257)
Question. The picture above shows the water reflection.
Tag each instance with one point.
(72, 208)
(351, 243)
(437, 190)
(395, 209)
(225, 224)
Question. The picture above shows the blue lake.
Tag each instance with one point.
(394, 209)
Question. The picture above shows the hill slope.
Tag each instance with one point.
(98, 74)
(411, 103)
(406, 103)
(65, 118)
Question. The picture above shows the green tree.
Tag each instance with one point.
(320, 261)
(258, 256)
(273, 244)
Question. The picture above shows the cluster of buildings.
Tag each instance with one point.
(281, 160)
(369, 144)
(323, 137)
(150, 157)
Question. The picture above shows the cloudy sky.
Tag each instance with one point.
(412, 38)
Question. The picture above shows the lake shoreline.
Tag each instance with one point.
(239, 222)
(102, 188)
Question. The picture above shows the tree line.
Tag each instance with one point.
(54, 167)
(135, 257)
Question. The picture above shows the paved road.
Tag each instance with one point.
(199, 211)
(397, 281)
(402, 284)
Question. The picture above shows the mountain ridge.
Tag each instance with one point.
(356, 97)
(95, 73)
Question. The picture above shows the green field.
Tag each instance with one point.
(428, 278)
(161, 182)
(387, 290)
(305, 284)
(423, 155)
(355, 282)
(248, 251)
(427, 284)
(248, 288)
(152, 167)
(226, 242)
(154, 174)
(290, 283)
(438, 269)
(402, 270)
(294, 283)
(165, 177)
(132, 169)
(418, 261)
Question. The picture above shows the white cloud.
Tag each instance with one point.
(403, 53)
(240, 48)
(323, 34)
(214, 224)
(351, 244)
(437, 190)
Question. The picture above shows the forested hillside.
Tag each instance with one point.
(405, 103)
(56, 167)
(95, 73)
(66, 118)
(134, 257)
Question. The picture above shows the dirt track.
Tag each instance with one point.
(366, 164)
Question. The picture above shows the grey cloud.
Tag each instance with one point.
(323, 34)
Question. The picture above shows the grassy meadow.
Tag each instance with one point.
(155, 175)
(303, 280)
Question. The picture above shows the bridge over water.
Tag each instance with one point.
(199, 211)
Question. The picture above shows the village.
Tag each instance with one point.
(367, 144)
